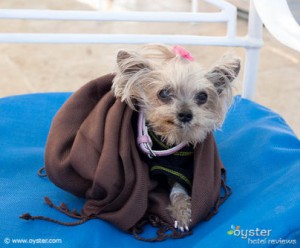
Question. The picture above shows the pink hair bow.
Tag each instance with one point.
(182, 53)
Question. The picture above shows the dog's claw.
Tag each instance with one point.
(176, 224)
(181, 228)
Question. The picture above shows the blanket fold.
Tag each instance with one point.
(91, 152)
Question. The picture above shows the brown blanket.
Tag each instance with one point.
(91, 152)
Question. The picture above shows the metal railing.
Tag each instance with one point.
(227, 14)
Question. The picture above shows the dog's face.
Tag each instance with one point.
(181, 101)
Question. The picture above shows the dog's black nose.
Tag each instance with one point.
(185, 116)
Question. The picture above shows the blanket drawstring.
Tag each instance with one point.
(222, 199)
(162, 226)
(42, 172)
(63, 209)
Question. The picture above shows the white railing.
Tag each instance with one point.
(227, 14)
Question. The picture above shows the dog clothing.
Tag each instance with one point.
(176, 167)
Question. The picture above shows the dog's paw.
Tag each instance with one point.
(180, 211)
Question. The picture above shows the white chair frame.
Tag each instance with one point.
(252, 42)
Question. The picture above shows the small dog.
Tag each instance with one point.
(181, 103)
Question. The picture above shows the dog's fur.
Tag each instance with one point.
(166, 86)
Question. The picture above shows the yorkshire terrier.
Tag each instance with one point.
(179, 103)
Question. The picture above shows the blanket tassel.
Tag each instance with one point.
(63, 209)
(163, 228)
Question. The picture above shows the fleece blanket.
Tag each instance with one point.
(92, 152)
(260, 151)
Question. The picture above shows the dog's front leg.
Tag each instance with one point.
(180, 207)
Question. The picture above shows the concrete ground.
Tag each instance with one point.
(28, 68)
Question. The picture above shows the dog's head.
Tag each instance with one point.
(181, 100)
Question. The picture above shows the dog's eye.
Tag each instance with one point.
(201, 97)
(165, 95)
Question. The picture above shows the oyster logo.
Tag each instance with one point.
(246, 233)
(233, 228)
(258, 236)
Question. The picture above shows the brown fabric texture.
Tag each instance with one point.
(91, 152)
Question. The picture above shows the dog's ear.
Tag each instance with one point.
(132, 74)
(222, 74)
(131, 62)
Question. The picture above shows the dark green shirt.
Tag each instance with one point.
(177, 167)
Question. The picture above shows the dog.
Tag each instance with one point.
(181, 104)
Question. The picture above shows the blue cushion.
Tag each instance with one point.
(261, 154)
